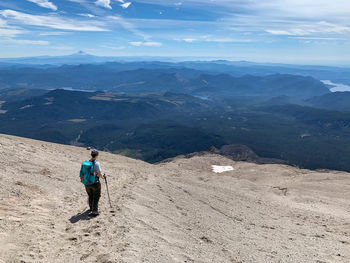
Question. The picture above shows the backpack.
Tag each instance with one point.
(87, 176)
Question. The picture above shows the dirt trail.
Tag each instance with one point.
(172, 212)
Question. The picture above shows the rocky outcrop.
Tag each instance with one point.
(239, 152)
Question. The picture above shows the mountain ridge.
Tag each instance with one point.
(116, 77)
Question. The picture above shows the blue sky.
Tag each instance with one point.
(290, 31)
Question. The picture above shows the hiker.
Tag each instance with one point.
(90, 174)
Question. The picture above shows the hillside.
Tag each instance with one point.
(157, 126)
(179, 211)
(339, 101)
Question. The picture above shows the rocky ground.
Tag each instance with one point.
(179, 211)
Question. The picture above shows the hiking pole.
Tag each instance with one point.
(109, 199)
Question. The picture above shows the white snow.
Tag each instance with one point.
(221, 169)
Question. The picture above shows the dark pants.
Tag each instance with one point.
(94, 192)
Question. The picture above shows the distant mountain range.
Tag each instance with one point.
(235, 68)
(118, 77)
(80, 57)
(73, 59)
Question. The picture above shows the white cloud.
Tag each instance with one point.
(25, 42)
(9, 31)
(318, 38)
(277, 17)
(215, 39)
(125, 5)
(189, 40)
(146, 44)
(113, 47)
(136, 43)
(307, 9)
(53, 21)
(104, 3)
(30, 42)
(45, 4)
(2, 23)
(53, 33)
(8, 34)
(152, 44)
(292, 32)
(295, 8)
(88, 15)
(128, 25)
(62, 47)
(304, 29)
(324, 26)
(237, 29)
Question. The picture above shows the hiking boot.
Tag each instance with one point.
(94, 214)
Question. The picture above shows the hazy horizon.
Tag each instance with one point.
(176, 59)
(275, 31)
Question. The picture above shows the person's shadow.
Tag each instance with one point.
(80, 216)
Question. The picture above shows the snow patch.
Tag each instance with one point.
(221, 169)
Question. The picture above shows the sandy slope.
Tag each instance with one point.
(172, 212)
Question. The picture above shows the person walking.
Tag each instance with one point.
(90, 174)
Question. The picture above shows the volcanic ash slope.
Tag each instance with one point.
(178, 211)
